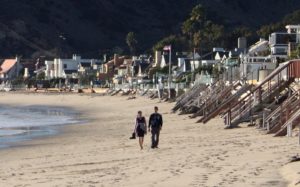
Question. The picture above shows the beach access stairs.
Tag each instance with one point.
(216, 105)
(188, 103)
(281, 120)
(211, 96)
(251, 105)
(273, 104)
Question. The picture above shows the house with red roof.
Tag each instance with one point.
(10, 68)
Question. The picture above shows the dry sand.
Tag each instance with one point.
(99, 153)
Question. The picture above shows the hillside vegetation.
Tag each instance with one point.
(94, 27)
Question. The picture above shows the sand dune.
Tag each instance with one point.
(99, 153)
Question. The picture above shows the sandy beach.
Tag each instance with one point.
(99, 152)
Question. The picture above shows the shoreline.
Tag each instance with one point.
(31, 128)
(99, 151)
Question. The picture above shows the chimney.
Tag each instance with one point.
(26, 73)
(18, 64)
(157, 58)
(116, 58)
(76, 57)
(242, 43)
(104, 58)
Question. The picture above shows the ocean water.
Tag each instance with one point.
(25, 123)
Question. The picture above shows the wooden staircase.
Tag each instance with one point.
(192, 101)
(211, 111)
(290, 124)
(253, 106)
(262, 94)
(214, 97)
(188, 98)
(274, 120)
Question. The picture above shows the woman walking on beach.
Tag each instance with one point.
(140, 128)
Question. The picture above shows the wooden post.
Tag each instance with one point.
(264, 116)
(266, 112)
(290, 129)
(158, 91)
(170, 70)
(259, 96)
(299, 134)
(250, 111)
(227, 119)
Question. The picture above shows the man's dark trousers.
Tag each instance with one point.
(155, 137)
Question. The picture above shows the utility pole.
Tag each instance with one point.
(194, 66)
(170, 70)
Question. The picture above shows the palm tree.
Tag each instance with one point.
(131, 42)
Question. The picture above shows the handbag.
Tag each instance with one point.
(132, 136)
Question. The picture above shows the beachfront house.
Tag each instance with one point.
(283, 43)
(68, 68)
(233, 58)
(123, 71)
(195, 61)
(157, 59)
(279, 43)
(10, 69)
(141, 67)
(29, 67)
(188, 62)
(252, 66)
(133, 70)
(109, 69)
(256, 61)
(259, 48)
(88, 67)
(184, 65)
(164, 61)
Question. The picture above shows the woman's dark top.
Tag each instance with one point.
(140, 127)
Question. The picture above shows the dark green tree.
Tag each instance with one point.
(195, 22)
(212, 34)
(41, 76)
(179, 43)
(295, 54)
(117, 50)
(266, 30)
(132, 42)
(197, 39)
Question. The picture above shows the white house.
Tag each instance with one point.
(64, 68)
(164, 61)
(294, 29)
(282, 43)
(251, 65)
(183, 65)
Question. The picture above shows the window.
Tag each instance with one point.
(65, 66)
(285, 38)
(279, 51)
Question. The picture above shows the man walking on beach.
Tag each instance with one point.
(155, 125)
